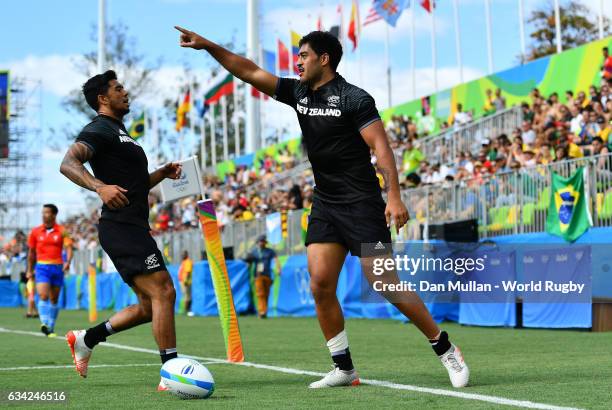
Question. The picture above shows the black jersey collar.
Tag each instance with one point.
(329, 84)
(106, 117)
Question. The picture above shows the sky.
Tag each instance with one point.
(43, 39)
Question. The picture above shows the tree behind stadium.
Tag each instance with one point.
(578, 26)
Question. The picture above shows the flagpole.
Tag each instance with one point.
(224, 119)
(252, 105)
(458, 39)
(487, 4)
(155, 132)
(522, 30)
(558, 26)
(191, 110)
(412, 49)
(433, 47)
(203, 143)
(600, 19)
(388, 62)
(236, 121)
(101, 35)
(213, 138)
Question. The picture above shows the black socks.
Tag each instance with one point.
(441, 345)
(342, 359)
(167, 354)
(97, 334)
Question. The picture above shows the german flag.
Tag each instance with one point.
(137, 129)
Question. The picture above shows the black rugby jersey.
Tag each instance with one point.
(331, 118)
(119, 160)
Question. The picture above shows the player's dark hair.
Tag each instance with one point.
(324, 42)
(97, 85)
(52, 207)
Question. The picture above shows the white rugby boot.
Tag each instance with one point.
(337, 378)
(80, 352)
(458, 371)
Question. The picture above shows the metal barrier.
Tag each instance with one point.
(445, 147)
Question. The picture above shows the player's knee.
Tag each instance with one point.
(321, 289)
(166, 292)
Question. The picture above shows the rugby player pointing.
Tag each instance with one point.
(340, 125)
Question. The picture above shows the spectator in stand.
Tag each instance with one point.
(569, 96)
(188, 219)
(594, 94)
(528, 113)
(499, 101)
(561, 153)
(581, 100)
(590, 130)
(604, 94)
(460, 118)
(489, 106)
(163, 220)
(412, 158)
(528, 135)
(599, 148)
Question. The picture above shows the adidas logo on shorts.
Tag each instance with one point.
(152, 261)
(379, 246)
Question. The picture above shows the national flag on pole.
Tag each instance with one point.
(372, 16)
(354, 28)
(222, 85)
(295, 49)
(320, 23)
(269, 61)
(390, 10)
(283, 59)
(336, 28)
(568, 212)
(427, 5)
(182, 109)
(201, 107)
(137, 129)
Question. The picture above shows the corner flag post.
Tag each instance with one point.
(190, 184)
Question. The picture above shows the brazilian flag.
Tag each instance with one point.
(568, 211)
(137, 129)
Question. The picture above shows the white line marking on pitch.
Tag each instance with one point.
(373, 382)
(71, 366)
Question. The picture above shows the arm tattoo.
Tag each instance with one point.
(72, 167)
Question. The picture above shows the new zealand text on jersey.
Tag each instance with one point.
(324, 112)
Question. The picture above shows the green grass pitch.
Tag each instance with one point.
(554, 367)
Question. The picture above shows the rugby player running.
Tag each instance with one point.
(122, 181)
(340, 126)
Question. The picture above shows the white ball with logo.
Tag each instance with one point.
(187, 378)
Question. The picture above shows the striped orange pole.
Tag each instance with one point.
(223, 291)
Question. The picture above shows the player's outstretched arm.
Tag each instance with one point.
(72, 168)
(241, 67)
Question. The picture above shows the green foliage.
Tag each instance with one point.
(578, 26)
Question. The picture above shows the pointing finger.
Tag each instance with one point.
(182, 30)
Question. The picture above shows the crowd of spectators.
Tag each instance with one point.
(554, 128)
(551, 131)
